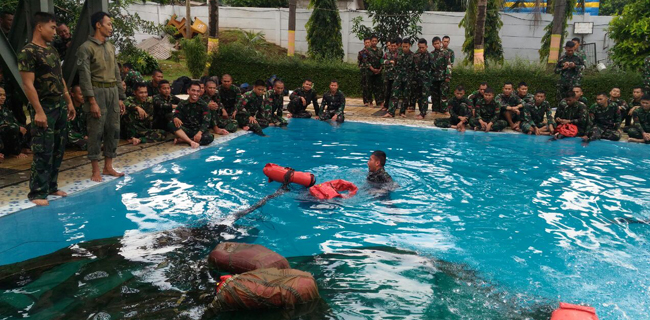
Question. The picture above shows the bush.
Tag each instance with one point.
(196, 55)
(247, 65)
(257, 3)
(140, 59)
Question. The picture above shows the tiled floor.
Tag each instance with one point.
(75, 170)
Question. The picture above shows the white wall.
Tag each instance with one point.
(520, 37)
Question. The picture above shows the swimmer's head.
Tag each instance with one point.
(377, 161)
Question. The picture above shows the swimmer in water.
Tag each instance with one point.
(376, 165)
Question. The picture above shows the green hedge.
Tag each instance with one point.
(247, 65)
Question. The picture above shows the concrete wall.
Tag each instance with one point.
(520, 37)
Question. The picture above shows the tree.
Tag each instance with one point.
(562, 11)
(493, 49)
(611, 7)
(479, 35)
(391, 19)
(324, 31)
(631, 32)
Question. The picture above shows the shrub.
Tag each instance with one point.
(196, 56)
(140, 59)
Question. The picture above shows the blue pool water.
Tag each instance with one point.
(535, 219)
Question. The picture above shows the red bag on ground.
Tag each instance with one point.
(266, 289)
(243, 257)
(567, 130)
(332, 189)
(568, 311)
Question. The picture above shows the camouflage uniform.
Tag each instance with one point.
(475, 97)
(196, 118)
(605, 122)
(584, 100)
(646, 75)
(641, 124)
(248, 106)
(141, 128)
(379, 176)
(581, 53)
(295, 106)
(272, 106)
(163, 110)
(452, 56)
(363, 70)
(577, 114)
(78, 130)
(440, 72)
(374, 82)
(533, 116)
(509, 101)
(528, 98)
(401, 86)
(61, 46)
(457, 108)
(217, 118)
(130, 79)
(570, 77)
(488, 112)
(151, 90)
(48, 144)
(333, 104)
(625, 110)
(389, 72)
(423, 64)
(11, 139)
(229, 98)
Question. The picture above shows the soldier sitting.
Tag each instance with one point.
(478, 94)
(300, 99)
(249, 107)
(522, 93)
(533, 120)
(580, 94)
(229, 95)
(138, 117)
(511, 106)
(459, 108)
(271, 113)
(486, 114)
(131, 77)
(153, 85)
(333, 104)
(13, 136)
(605, 119)
(191, 119)
(164, 104)
(572, 111)
(641, 131)
(220, 125)
(78, 128)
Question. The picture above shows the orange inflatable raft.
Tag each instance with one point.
(287, 175)
(568, 311)
(333, 189)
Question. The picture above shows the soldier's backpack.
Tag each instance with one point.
(180, 85)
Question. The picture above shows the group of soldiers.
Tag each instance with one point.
(400, 74)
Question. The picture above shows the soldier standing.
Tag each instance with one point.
(578, 50)
(403, 76)
(63, 40)
(440, 76)
(423, 61)
(373, 63)
(450, 52)
(40, 70)
(363, 69)
(388, 62)
(100, 82)
(569, 67)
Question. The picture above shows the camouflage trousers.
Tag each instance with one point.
(12, 141)
(150, 135)
(439, 95)
(278, 121)
(497, 126)
(636, 134)
(161, 120)
(106, 128)
(562, 89)
(400, 91)
(526, 127)
(217, 120)
(364, 88)
(388, 89)
(375, 88)
(242, 121)
(446, 122)
(206, 139)
(326, 115)
(78, 140)
(597, 133)
(421, 93)
(48, 146)
(297, 110)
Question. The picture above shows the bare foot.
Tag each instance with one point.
(388, 115)
(365, 105)
(246, 128)
(289, 116)
(402, 115)
(112, 172)
(21, 156)
(59, 193)
(222, 132)
(135, 141)
(41, 202)
(29, 151)
(384, 109)
(97, 177)
(175, 141)
(419, 117)
(194, 145)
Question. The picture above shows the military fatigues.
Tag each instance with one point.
(163, 110)
(440, 73)
(456, 108)
(528, 98)
(196, 118)
(130, 79)
(272, 106)
(641, 124)
(141, 128)
(379, 177)
(423, 64)
(488, 112)
(78, 130)
(509, 101)
(99, 77)
(333, 104)
(48, 144)
(61, 46)
(569, 77)
(533, 116)
(229, 98)
(584, 100)
(151, 89)
(605, 122)
(625, 110)
(582, 55)
(389, 72)
(577, 114)
(375, 81)
(401, 85)
(11, 139)
(475, 97)
(363, 70)
(217, 119)
(249, 105)
(295, 106)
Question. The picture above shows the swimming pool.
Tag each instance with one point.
(483, 226)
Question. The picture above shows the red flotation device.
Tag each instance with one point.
(287, 175)
(332, 189)
(567, 130)
(568, 311)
